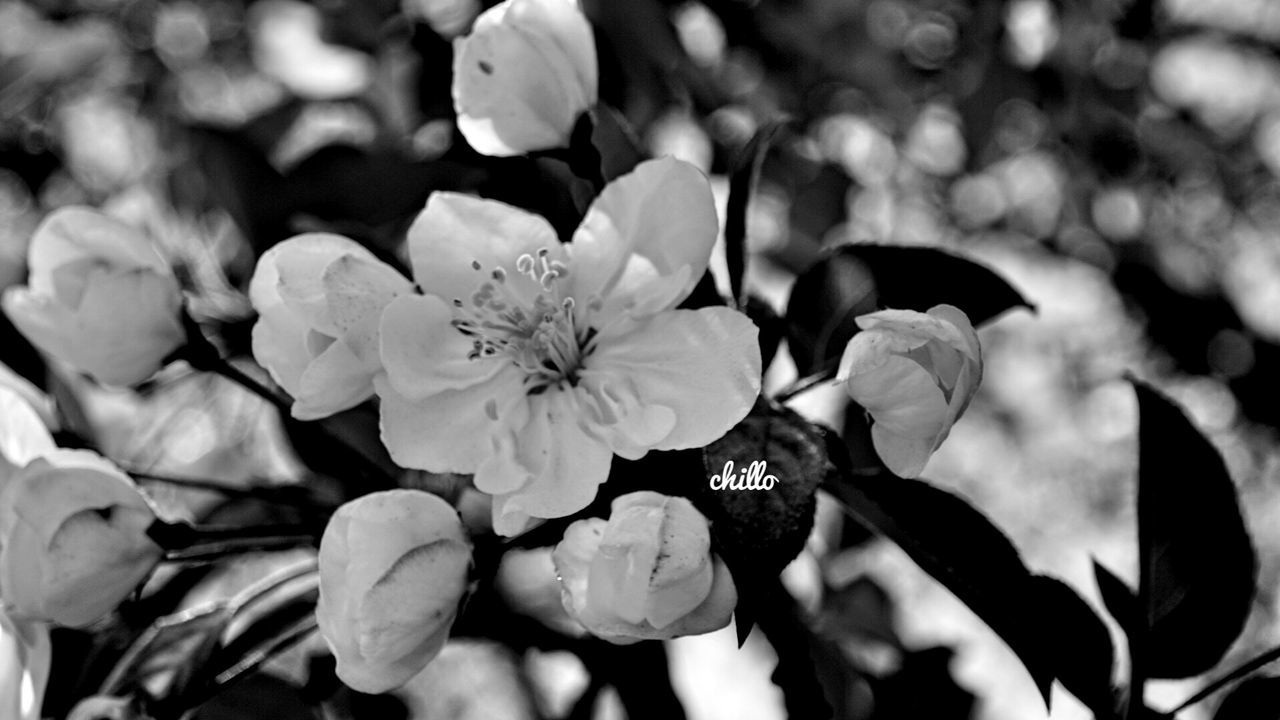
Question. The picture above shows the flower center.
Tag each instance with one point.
(528, 318)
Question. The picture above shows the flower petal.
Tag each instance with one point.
(575, 466)
(905, 455)
(900, 394)
(75, 233)
(23, 436)
(702, 364)
(424, 354)
(357, 290)
(523, 75)
(454, 231)
(663, 211)
(25, 658)
(334, 381)
(451, 431)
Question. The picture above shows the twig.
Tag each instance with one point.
(1265, 658)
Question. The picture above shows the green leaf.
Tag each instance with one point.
(1255, 699)
(1118, 598)
(854, 280)
(1198, 570)
(1080, 647)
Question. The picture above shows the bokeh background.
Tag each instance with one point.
(1116, 160)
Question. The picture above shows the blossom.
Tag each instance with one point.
(523, 76)
(99, 297)
(915, 374)
(393, 568)
(647, 573)
(319, 297)
(531, 363)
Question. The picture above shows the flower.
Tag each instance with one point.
(319, 297)
(523, 76)
(915, 374)
(73, 540)
(100, 297)
(393, 567)
(531, 363)
(647, 573)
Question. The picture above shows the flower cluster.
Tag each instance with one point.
(507, 355)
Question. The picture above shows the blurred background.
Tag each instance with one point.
(1116, 160)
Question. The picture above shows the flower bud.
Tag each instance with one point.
(319, 298)
(393, 568)
(915, 374)
(99, 297)
(647, 573)
(73, 540)
(523, 76)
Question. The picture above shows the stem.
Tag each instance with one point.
(216, 551)
(193, 483)
(202, 355)
(824, 374)
(1265, 658)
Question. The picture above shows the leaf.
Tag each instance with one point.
(1254, 699)
(956, 544)
(923, 688)
(757, 532)
(857, 279)
(1080, 647)
(614, 138)
(1197, 563)
(1118, 598)
(742, 183)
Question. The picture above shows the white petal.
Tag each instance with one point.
(702, 364)
(576, 464)
(76, 233)
(454, 231)
(901, 395)
(905, 455)
(357, 290)
(334, 381)
(424, 354)
(25, 657)
(451, 431)
(23, 437)
(663, 211)
(523, 76)
(293, 272)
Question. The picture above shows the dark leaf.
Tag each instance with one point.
(857, 279)
(956, 544)
(758, 532)
(620, 150)
(783, 624)
(1081, 650)
(1255, 699)
(1197, 563)
(772, 328)
(742, 183)
(1118, 597)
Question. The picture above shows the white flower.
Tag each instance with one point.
(393, 567)
(915, 374)
(319, 298)
(523, 76)
(100, 297)
(647, 573)
(531, 363)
